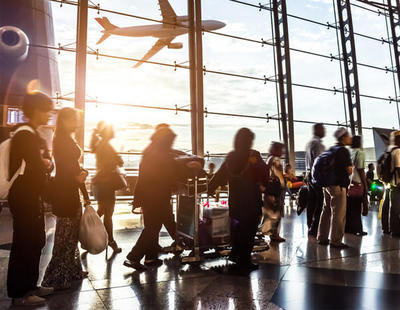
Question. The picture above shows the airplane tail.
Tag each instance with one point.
(107, 25)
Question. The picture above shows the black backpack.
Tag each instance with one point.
(384, 166)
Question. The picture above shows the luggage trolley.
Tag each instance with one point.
(193, 233)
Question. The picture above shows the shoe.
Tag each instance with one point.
(323, 242)
(363, 233)
(339, 246)
(277, 239)
(153, 263)
(29, 301)
(85, 274)
(135, 265)
(168, 249)
(386, 232)
(42, 291)
(114, 247)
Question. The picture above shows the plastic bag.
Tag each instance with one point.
(92, 233)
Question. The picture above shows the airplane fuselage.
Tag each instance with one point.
(163, 30)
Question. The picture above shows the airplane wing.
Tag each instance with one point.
(167, 12)
(160, 44)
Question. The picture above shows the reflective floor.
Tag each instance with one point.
(298, 274)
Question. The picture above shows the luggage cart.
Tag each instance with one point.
(191, 230)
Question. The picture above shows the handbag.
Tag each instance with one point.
(356, 190)
(92, 233)
(117, 180)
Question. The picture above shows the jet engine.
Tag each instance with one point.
(13, 45)
(175, 46)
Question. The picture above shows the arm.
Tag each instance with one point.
(220, 178)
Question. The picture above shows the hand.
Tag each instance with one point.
(86, 203)
(47, 163)
(81, 178)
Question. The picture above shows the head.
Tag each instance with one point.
(356, 142)
(395, 138)
(162, 125)
(163, 138)
(343, 136)
(371, 167)
(67, 121)
(37, 108)
(105, 130)
(288, 168)
(243, 140)
(319, 130)
(211, 167)
(277, 149)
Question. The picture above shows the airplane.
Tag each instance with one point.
(165, 32)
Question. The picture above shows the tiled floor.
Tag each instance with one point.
(298, 274)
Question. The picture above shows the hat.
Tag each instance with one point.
(340, 132)
(162, 133)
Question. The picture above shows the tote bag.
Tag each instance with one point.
(92, 233)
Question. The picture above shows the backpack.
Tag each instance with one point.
(323, 171)
(5, 181)
(302, 199)
(384, 166)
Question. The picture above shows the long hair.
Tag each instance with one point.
(242, 144)
(103, 131)
(63, 116)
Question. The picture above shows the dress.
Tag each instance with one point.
(65, 265)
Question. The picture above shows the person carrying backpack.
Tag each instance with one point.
(333, 176)
(27, 149)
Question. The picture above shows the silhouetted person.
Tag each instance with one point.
(25, 203)
(65, 265)
(245, 172)
(158, 174)
(274, 199)
(108, 162)
(315, 202)
(394, 211)
(370, 175)
(359, 182)
(333, 216)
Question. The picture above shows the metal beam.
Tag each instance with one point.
(395, 28)
(284, 77)
(350, 65)
(80, 68)
(199, 78)
(192, 70)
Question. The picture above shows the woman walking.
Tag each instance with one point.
(24, 199)
(65, 265)
(107, 164)
(247, 174)
(358, 190)
(274, 198)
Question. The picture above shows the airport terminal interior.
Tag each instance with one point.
(197, 79)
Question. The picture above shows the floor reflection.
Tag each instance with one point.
(290, 276)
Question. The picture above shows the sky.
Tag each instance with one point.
(150, 85)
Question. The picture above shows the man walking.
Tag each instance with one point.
(315, 194)
(333, 217)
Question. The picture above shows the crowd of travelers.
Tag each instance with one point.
(335, 181)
